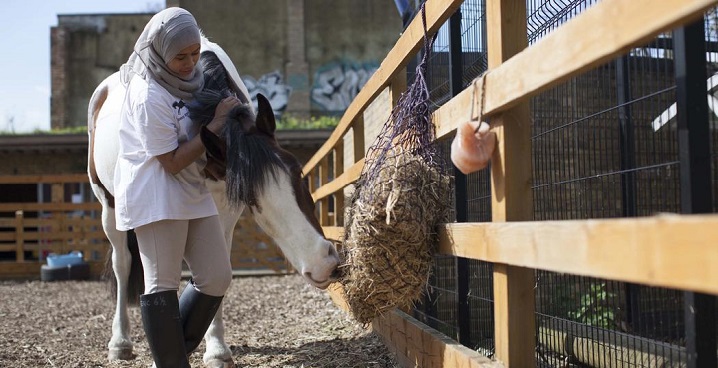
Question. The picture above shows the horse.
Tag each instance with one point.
(246, 168)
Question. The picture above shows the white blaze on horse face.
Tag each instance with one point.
(306, 249)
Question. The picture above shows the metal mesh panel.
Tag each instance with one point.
(712, 58)
(604, 146)
(593, 322)
(544, 15)
(481, 306)
(438, 310)
(598, 153)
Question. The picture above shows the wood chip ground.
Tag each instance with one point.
(271, 321)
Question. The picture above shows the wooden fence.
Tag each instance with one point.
(57, 226)
(673, 251)
(31, 230)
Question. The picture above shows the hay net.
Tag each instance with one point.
(401, 196)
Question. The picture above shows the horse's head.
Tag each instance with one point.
(266, 178)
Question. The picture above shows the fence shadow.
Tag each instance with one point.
(366, 351)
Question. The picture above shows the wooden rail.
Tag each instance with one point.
(59, 234)
(675, 251)
(66, 227)
(63, 227)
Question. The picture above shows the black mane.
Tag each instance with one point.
(251, 158)
(216, 88)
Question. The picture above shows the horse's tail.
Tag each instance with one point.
(136, 281)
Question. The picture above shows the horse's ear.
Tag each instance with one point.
(265, 115)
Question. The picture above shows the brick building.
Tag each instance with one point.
(306, 56)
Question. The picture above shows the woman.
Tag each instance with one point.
(160, 190)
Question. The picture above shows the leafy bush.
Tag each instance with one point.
(68, 130)
(595, 309)
(288, 122)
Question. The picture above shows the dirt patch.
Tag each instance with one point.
(272, 321)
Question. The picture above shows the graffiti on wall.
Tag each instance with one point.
(336, 84)
(272, 87)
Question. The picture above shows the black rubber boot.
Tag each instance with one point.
(163, 328)
(197, 311)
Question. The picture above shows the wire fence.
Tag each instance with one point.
(605, 145)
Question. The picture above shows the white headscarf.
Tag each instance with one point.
(164, 36)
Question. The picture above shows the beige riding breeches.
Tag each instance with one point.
(199, 242)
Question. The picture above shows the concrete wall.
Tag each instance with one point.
(311, 56)
(307, 56)
(86, 49)
(345, 43)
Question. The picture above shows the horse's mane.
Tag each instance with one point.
(251, 157)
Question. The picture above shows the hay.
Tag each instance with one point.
(401, 195)
(390, 232)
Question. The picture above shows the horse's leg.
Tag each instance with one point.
(120, 345)
(217, 353)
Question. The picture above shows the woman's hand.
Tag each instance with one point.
(473, 146)
(223, 109)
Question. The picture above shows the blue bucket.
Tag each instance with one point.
(62, 260)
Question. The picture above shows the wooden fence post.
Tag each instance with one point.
(324, 202)
(512, 199)
(57, 195)
(338, 165)
(19, 237)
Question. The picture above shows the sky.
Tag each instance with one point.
(25, 60)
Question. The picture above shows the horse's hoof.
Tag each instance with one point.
(217, 363)
(120, 354)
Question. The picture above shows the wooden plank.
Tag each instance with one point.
(50, 207)
(504, 89)
(594, 37)
(457, 110)
(52, 222)
(64, 235)
(8, 236)
(7, 247)
(670, 251)
(417, 345)
(511, 194)
(514, 322)
(339, 195)
(376, 116)
(397, 86)
(19, 237)
(333, 232)
(57, 193)
(7, 222)
(79, 221)
(349, 176)
(311, 180)
(411, 40)
(415, 342)
(36, 179)
(336, 293)
(31, 270)
(358, 138)
(324, 202)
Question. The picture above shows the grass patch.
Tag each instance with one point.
(286, 122)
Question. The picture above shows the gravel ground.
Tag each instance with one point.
(271, 321)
